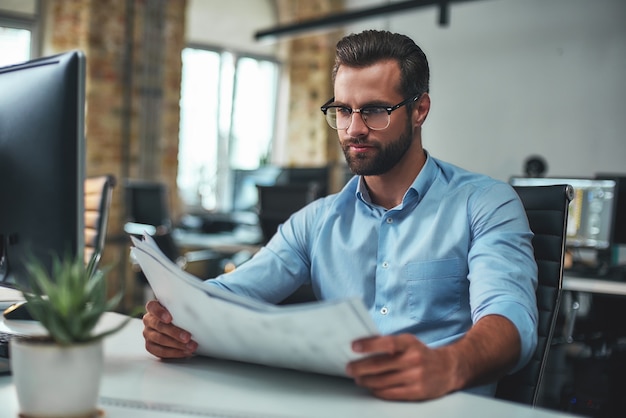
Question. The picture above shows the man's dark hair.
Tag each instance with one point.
(371, 46)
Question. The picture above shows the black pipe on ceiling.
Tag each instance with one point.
(351, 16)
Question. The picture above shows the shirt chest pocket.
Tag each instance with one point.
(434, 288)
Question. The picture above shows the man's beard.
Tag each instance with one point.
(388, 157)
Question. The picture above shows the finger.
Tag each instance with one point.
(390, 354)
(155, 308)
(166, 352)
(151, 322)
(164, 346)
(387, 344)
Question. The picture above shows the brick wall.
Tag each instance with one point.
(309, 60)
(133, 51)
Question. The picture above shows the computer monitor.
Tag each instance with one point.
(619, 223)
(41, 162)
(245, 196)
(146, 203)
(319, 176)
(591, 212)
(245, 182)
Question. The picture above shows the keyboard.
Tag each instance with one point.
(5, 338)
(5, 361)
(4, 344)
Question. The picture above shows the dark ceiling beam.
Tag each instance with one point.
(354, 15)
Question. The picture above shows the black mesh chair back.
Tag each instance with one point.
(278, 202)
(146, 203)
(547, 209)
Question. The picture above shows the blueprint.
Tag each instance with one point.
(314, 337)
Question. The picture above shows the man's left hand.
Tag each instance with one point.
(403, 368)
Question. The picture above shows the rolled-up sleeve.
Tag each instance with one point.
(502, 267)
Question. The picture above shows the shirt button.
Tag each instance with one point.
(384, 311)
(385, 264)
(389, 220)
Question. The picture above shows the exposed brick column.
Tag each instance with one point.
(132, 116)
(310, 141)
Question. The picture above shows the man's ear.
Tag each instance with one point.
(420, 110)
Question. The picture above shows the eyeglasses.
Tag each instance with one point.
(375, 117)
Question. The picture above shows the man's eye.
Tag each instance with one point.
(343, 111)
(373, 110)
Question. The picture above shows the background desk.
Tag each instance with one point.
(593, 285)
(137, 385)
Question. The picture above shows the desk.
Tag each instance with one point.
(593, 285)
(245, 237)
(137, 385)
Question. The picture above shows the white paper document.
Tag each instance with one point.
(312, 337)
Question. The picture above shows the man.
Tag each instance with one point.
(441, 257)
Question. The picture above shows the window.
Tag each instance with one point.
(18, 32)
(227, 121)
(14, 44)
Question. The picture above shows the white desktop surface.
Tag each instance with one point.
(135, 384)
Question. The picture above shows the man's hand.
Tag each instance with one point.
(403, 368)
(163, 339)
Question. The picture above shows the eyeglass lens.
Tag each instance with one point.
(341, 118)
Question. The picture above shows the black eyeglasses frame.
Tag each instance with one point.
(324, 108)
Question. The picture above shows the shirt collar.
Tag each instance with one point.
(420, 185)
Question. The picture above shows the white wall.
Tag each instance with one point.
(230, 24)
(510, 78)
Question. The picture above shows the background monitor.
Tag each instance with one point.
(245, 182)
(245, 196)
(41, 162)
(146, 203)
(591, 212)
(318, 177)
(619, 223)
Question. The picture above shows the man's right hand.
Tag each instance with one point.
(163, 339)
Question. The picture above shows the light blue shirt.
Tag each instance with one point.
(457, 248)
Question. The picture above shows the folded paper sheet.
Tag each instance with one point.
(313, 337)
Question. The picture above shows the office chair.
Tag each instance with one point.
(147, 212)
(546, 208)
(278, 202)
(98, 195)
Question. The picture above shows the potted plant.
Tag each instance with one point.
(58, 375)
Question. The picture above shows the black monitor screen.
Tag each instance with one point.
(41, 162)
(591, 212)
(146, 202)
(319, 176)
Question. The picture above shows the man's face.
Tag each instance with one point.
(372, 152)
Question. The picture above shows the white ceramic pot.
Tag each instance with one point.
(56, 381)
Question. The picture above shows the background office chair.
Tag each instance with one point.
(546, 208)
(278, 202)
(147, 211)
(98, 194)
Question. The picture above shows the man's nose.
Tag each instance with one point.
(357, 125)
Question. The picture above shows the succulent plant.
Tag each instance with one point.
(69, 299)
